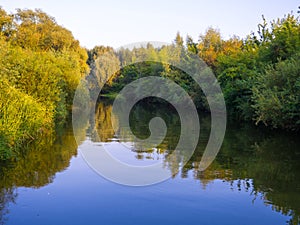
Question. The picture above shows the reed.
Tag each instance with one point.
(22, 119)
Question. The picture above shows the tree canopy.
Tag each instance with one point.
(40, 67)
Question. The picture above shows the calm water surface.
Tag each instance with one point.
(255, 178)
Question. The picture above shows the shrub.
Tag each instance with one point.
(22, 119)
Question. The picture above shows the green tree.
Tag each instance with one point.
(277, 95)
(281, 40)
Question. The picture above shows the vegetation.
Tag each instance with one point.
(41, 65)
(259, 75)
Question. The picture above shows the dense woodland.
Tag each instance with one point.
(41, 65)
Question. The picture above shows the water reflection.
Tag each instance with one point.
(36, 167)
(7, 196)
(263, 164)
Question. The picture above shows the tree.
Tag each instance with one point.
(210, 46)
(6, 24)
(178, 40)
(191, 45)
(281, 41)
(41, 65)
(277, 95)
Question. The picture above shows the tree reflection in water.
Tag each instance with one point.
(36, 167)
(262, 163)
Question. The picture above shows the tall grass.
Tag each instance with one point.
(22, 118)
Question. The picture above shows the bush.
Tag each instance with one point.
(22, 119)
(41, 65)
(277, 95)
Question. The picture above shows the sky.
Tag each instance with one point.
(116, 23)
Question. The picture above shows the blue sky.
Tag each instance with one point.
(116, 22)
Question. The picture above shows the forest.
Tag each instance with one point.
(42, 64)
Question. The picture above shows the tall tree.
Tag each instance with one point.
(210, 45)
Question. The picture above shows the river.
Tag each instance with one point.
(255, 178)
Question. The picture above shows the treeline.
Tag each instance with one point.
(259, 75)
(41, 65)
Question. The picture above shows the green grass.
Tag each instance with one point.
(22, 119)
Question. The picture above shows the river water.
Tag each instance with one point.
(255, 178)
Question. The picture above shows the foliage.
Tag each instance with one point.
(281, 41)
(104, 66)
(277, 95)
(22, 118)
(259, 79)
(41, 65)
(209, 46)
(258, 75)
